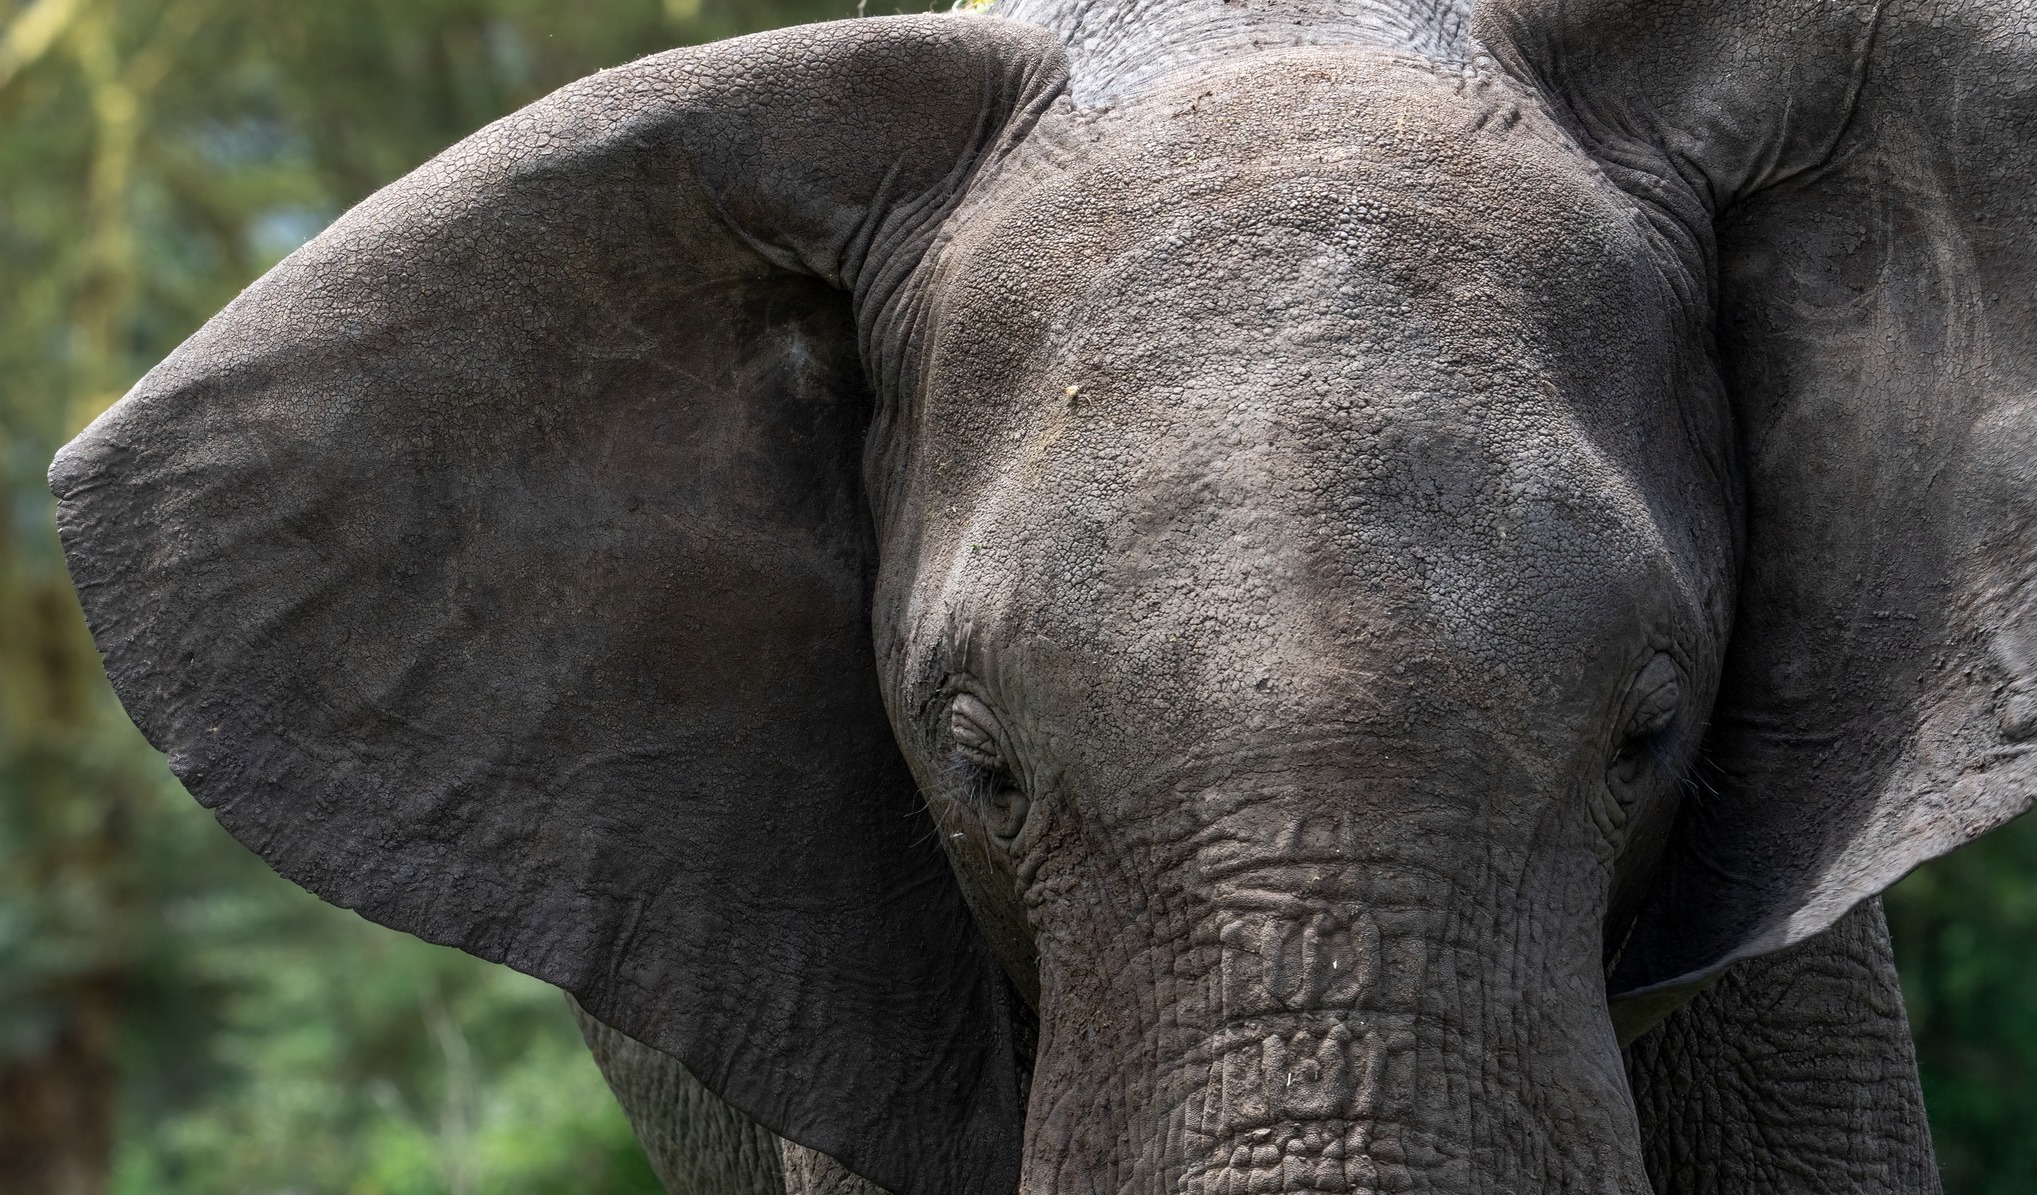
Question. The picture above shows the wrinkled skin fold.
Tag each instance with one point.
(1163, 597)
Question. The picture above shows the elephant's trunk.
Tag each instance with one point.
(1311, 1068)
(1338, 1024)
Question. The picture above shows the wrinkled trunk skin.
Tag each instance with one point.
(1327, 1019)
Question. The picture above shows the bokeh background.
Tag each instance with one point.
(174, 1019)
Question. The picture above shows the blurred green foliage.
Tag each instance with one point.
(1965, 929)
(232, 1033)
(275, 1044)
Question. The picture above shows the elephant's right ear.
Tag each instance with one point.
(498, 566)
(1864, 177)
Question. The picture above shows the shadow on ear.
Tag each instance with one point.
(498, 566)
(1874, 178)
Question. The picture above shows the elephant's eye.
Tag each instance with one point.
(992, 791)
(1004, 808)
(1658, 693)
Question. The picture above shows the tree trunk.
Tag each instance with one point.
(57, 1103)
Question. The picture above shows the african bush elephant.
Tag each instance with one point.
(1191, 596)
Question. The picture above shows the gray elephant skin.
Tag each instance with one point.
(1203, 596)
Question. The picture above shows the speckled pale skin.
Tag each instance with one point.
(1178, 596)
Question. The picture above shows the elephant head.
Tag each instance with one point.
(1192, 597)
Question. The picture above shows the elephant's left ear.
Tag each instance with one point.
(1865, 177)
(499, 566)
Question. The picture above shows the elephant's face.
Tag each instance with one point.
(818, 543)
(1295, 594)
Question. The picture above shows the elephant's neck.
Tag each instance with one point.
(1117, 46)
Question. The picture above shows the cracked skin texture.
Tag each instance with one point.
(1465, 546)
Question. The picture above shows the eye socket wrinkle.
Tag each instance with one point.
(974, 729)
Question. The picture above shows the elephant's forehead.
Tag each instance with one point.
(1446, 171)
(1307, 221)
(1351, 344)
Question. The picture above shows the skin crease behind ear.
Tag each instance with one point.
(697, 1144)
(695, 1141)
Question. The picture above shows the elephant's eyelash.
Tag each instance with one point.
(962, 781)
(1657, 746)
(1655, 749)
(969, 781)
(1695, 777)
(992, 795)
